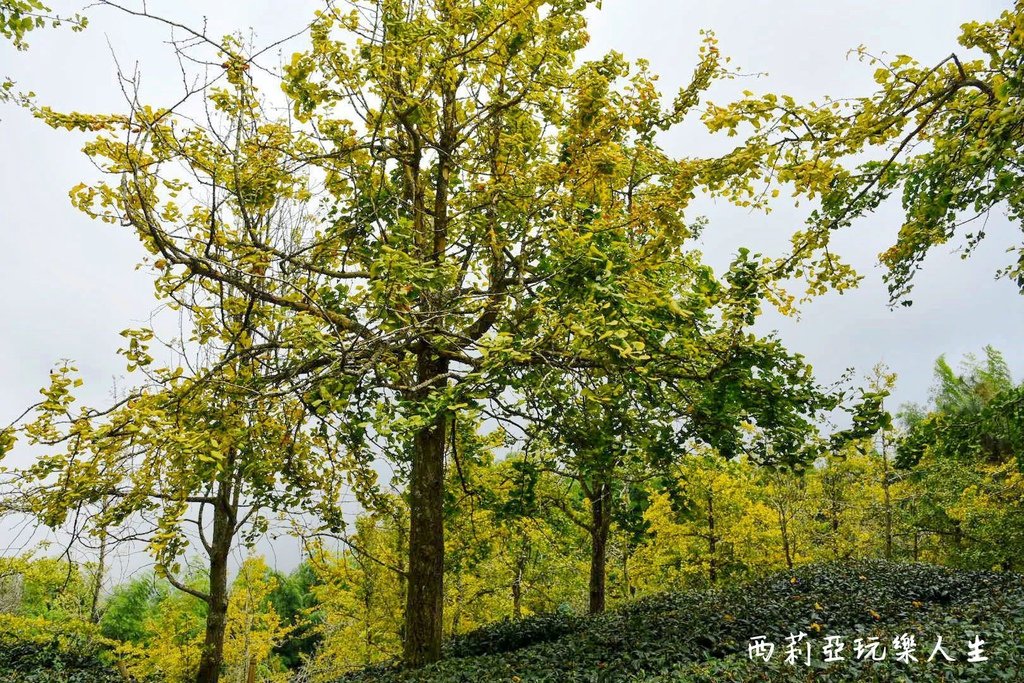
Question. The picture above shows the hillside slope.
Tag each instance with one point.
(704, 635)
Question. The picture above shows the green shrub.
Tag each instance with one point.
(53, 662)
(38, 650)
(703, 635)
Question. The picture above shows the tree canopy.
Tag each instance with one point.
(444, 317)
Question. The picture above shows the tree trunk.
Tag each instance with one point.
(368, 594)
(517, 599)
(217, 613)
(459, 598)
(784, 528)
(712, 541)
(97, 586)
(888, 499)
(600, 524)
(425, 594)
(401, 555)
(517, 582)
(216, 622)
(835, 529)
(630, 590)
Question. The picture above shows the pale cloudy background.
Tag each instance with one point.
(69, 285)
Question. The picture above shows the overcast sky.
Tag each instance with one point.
(69, 284)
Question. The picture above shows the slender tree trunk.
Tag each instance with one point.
(517, 598)
(216, 623)
(712, 540)
(835, 528)
(888, 499)
(600, 524)
(630, 590)
(425, 595)
(517, 582)
(784, 528)
(97, 586)
(401, 555)
(459, 599)
(368, 594)
(217, 614)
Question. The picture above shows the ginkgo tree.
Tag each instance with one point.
(665, 356)
(18, 18)
(609, 434)
(945, 137)
(194, 460)
(441, 195)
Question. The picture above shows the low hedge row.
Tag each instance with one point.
(53, 662)
(39, 650)
(704, 635)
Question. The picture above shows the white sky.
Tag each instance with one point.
(70, 284)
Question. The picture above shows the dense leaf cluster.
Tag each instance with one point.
(54, 662)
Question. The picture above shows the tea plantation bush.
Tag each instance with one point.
(703, 636)
(36, 650)
(52, 663)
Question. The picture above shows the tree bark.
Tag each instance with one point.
(517, 598)
(216, 617)
(97, 586)
(517, 582)
(425, 594)
(630, 590)
(459, 598)
(834, 524)
(888, 499)
(402, 554)
(712, 540)
(784, 528)
(600, 524)
(368, 595)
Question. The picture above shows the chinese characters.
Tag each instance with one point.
(800, 650)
